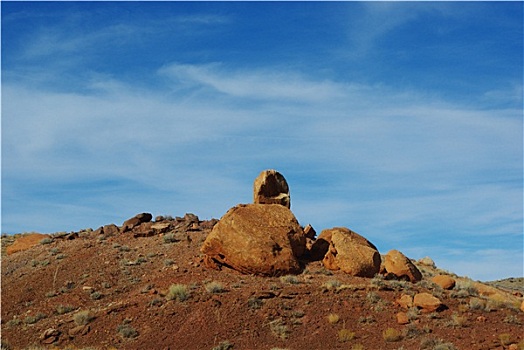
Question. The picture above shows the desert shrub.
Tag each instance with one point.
(225, 345)
(177, 292)
(391, 335)
(60, 256)
(4, 345)
(279, 329)
(170, 238)
(13, 322)
(413, 314)
(64, 309)
(378, 281)
(83, 317)
(357, 347)
(50, 294)
(435, 344)
(412, 331)
(47, 240)
(512, 319)
(331, 284)
(35, 318)
(215, 287)
(169, 262)
(290, 279)
(477, 304)
(255, 303)
(95, 295)
(124, 248)
(464, 289)
(457, 321)
(345, 335)
(505, 339)
(333, 318)
(126, 330)
(366, 320)
(373, 297)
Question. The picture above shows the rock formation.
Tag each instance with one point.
(271, 187)
(348, 251)
(397, 264)
(262, 239)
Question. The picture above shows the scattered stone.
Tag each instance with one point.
(399, 265)
(405, 301)
(79, 330)
(25, 242)
(208, 224)
(262, 239)
(159, 218)
(136, 221)
(109, 230)
(427, 302)
(402, 318)
(271, 187)
(481, 319)
(427, 261)
(50, 335)
(444, 281)
(191, 218)
(350, 252)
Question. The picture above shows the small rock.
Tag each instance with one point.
(309, 232)
(405, 301)
(88, 289)
(427, 302)
(444, 281)
(50, 335)
(402, 318)
(427, 261)
(80, 330)
(481, 319)
(136, 221)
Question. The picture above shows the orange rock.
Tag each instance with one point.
(271, 187)
(263, 239)
(522, 306)
(398, 264)
(444, 281)
(427, 302)
(405, 301)
(402, 318)
(25, 242)
(350, 252)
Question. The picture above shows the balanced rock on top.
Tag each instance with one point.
(271, 187)
(261, 239)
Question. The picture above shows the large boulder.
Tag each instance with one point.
(348, 251)
(398, 265)
(262, 239)
(271, 187)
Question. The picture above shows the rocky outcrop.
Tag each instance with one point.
(25, 242)
(348, 251)
(138, 219)
(262, 239)
(398, 265)
(271, 187)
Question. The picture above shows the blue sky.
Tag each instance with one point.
(400, 120)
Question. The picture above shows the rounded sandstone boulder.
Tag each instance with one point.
(343, 249)
(399, 265)
(261, 239)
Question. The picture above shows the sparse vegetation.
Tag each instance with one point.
(279, 329)
(225, 345)
(82, 318)
(289, 279)
(505, 339)
(126, 330)
(170, 238)
(435, 344)
(177, 292)
(512, 319)
(214, 287)
(345, 335)
(255, 303)
(333, 318)
(331, 284)
(391, 335)
(95, 295)
(64, 309)
(47, 240)
(34, 319)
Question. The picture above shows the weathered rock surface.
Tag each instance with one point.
(271, 187)
(427, 302)
(444, 281)
(136, 221)
(262, 239)
(109, 230)
(25, 242)
(348, 251)
(400, 266)
(405, 301)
